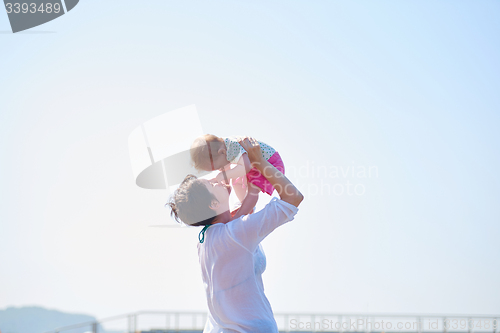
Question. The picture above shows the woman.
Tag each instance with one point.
(229, 251)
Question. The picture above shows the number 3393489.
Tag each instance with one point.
(32, 8)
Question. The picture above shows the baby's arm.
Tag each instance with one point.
(237, 171)
(249, 202)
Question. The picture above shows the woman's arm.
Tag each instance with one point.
(286, 190)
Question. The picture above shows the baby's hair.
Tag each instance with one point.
(191, 202)
(200, 154)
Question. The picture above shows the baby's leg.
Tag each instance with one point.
(240, 188)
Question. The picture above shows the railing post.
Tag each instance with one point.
(132, 327)
(94, 327)
(445, 329)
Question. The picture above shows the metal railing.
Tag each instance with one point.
(184, 322)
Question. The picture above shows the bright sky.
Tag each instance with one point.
(406, 89)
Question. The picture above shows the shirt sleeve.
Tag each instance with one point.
(250, 230)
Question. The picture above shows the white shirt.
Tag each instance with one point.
(232, 263)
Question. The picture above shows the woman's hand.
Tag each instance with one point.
(253, 149)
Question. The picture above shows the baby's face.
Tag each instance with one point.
(219, 161)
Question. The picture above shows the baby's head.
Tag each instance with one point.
(208, 152)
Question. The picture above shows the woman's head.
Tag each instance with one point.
(208, 152)
(199, 201)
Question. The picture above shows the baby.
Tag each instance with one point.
(209, 153)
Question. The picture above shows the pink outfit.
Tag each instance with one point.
(255, 177)
(234, 151)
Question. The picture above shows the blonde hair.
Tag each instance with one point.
(200, 154)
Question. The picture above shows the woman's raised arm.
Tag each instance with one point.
(286, 190)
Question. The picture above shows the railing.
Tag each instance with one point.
(184, 322)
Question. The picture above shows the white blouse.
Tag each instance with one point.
(232, 262)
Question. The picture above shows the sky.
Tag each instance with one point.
(385, 113)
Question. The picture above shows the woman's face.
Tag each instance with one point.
(221, 192)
